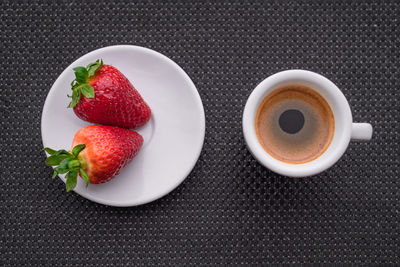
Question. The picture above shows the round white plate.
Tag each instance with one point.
(173, 138)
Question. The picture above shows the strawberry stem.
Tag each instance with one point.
(80, 85)
(69, 163)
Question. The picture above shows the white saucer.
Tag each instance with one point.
(173, 138)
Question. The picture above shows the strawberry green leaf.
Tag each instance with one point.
(77, 149)
(81, 74)
(76, 97)
(63, 152)
(85, 177)
(94, 67)
(72, 104)
(71, 180)
(54, 160)
(80, 84)
(66, 162)
(86, 90)
(73, 83)
(73, 164)
(63, 167)
(61, 170)
(91, 65)
(49, 150)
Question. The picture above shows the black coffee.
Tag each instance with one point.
(291, 121)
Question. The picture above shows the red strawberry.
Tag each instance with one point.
(98, 154)
(102, 94)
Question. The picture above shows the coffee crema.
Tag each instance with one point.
(294, 124)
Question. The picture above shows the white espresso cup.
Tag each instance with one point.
(345, 129)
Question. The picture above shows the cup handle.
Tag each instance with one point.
(361, 131)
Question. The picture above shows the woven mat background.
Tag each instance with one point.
(230, 210)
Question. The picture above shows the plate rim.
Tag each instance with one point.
(202, 123)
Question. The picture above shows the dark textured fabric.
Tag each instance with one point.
(230, 210)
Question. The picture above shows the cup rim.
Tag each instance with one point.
(302, 169)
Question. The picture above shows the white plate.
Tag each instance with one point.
(173, 137)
